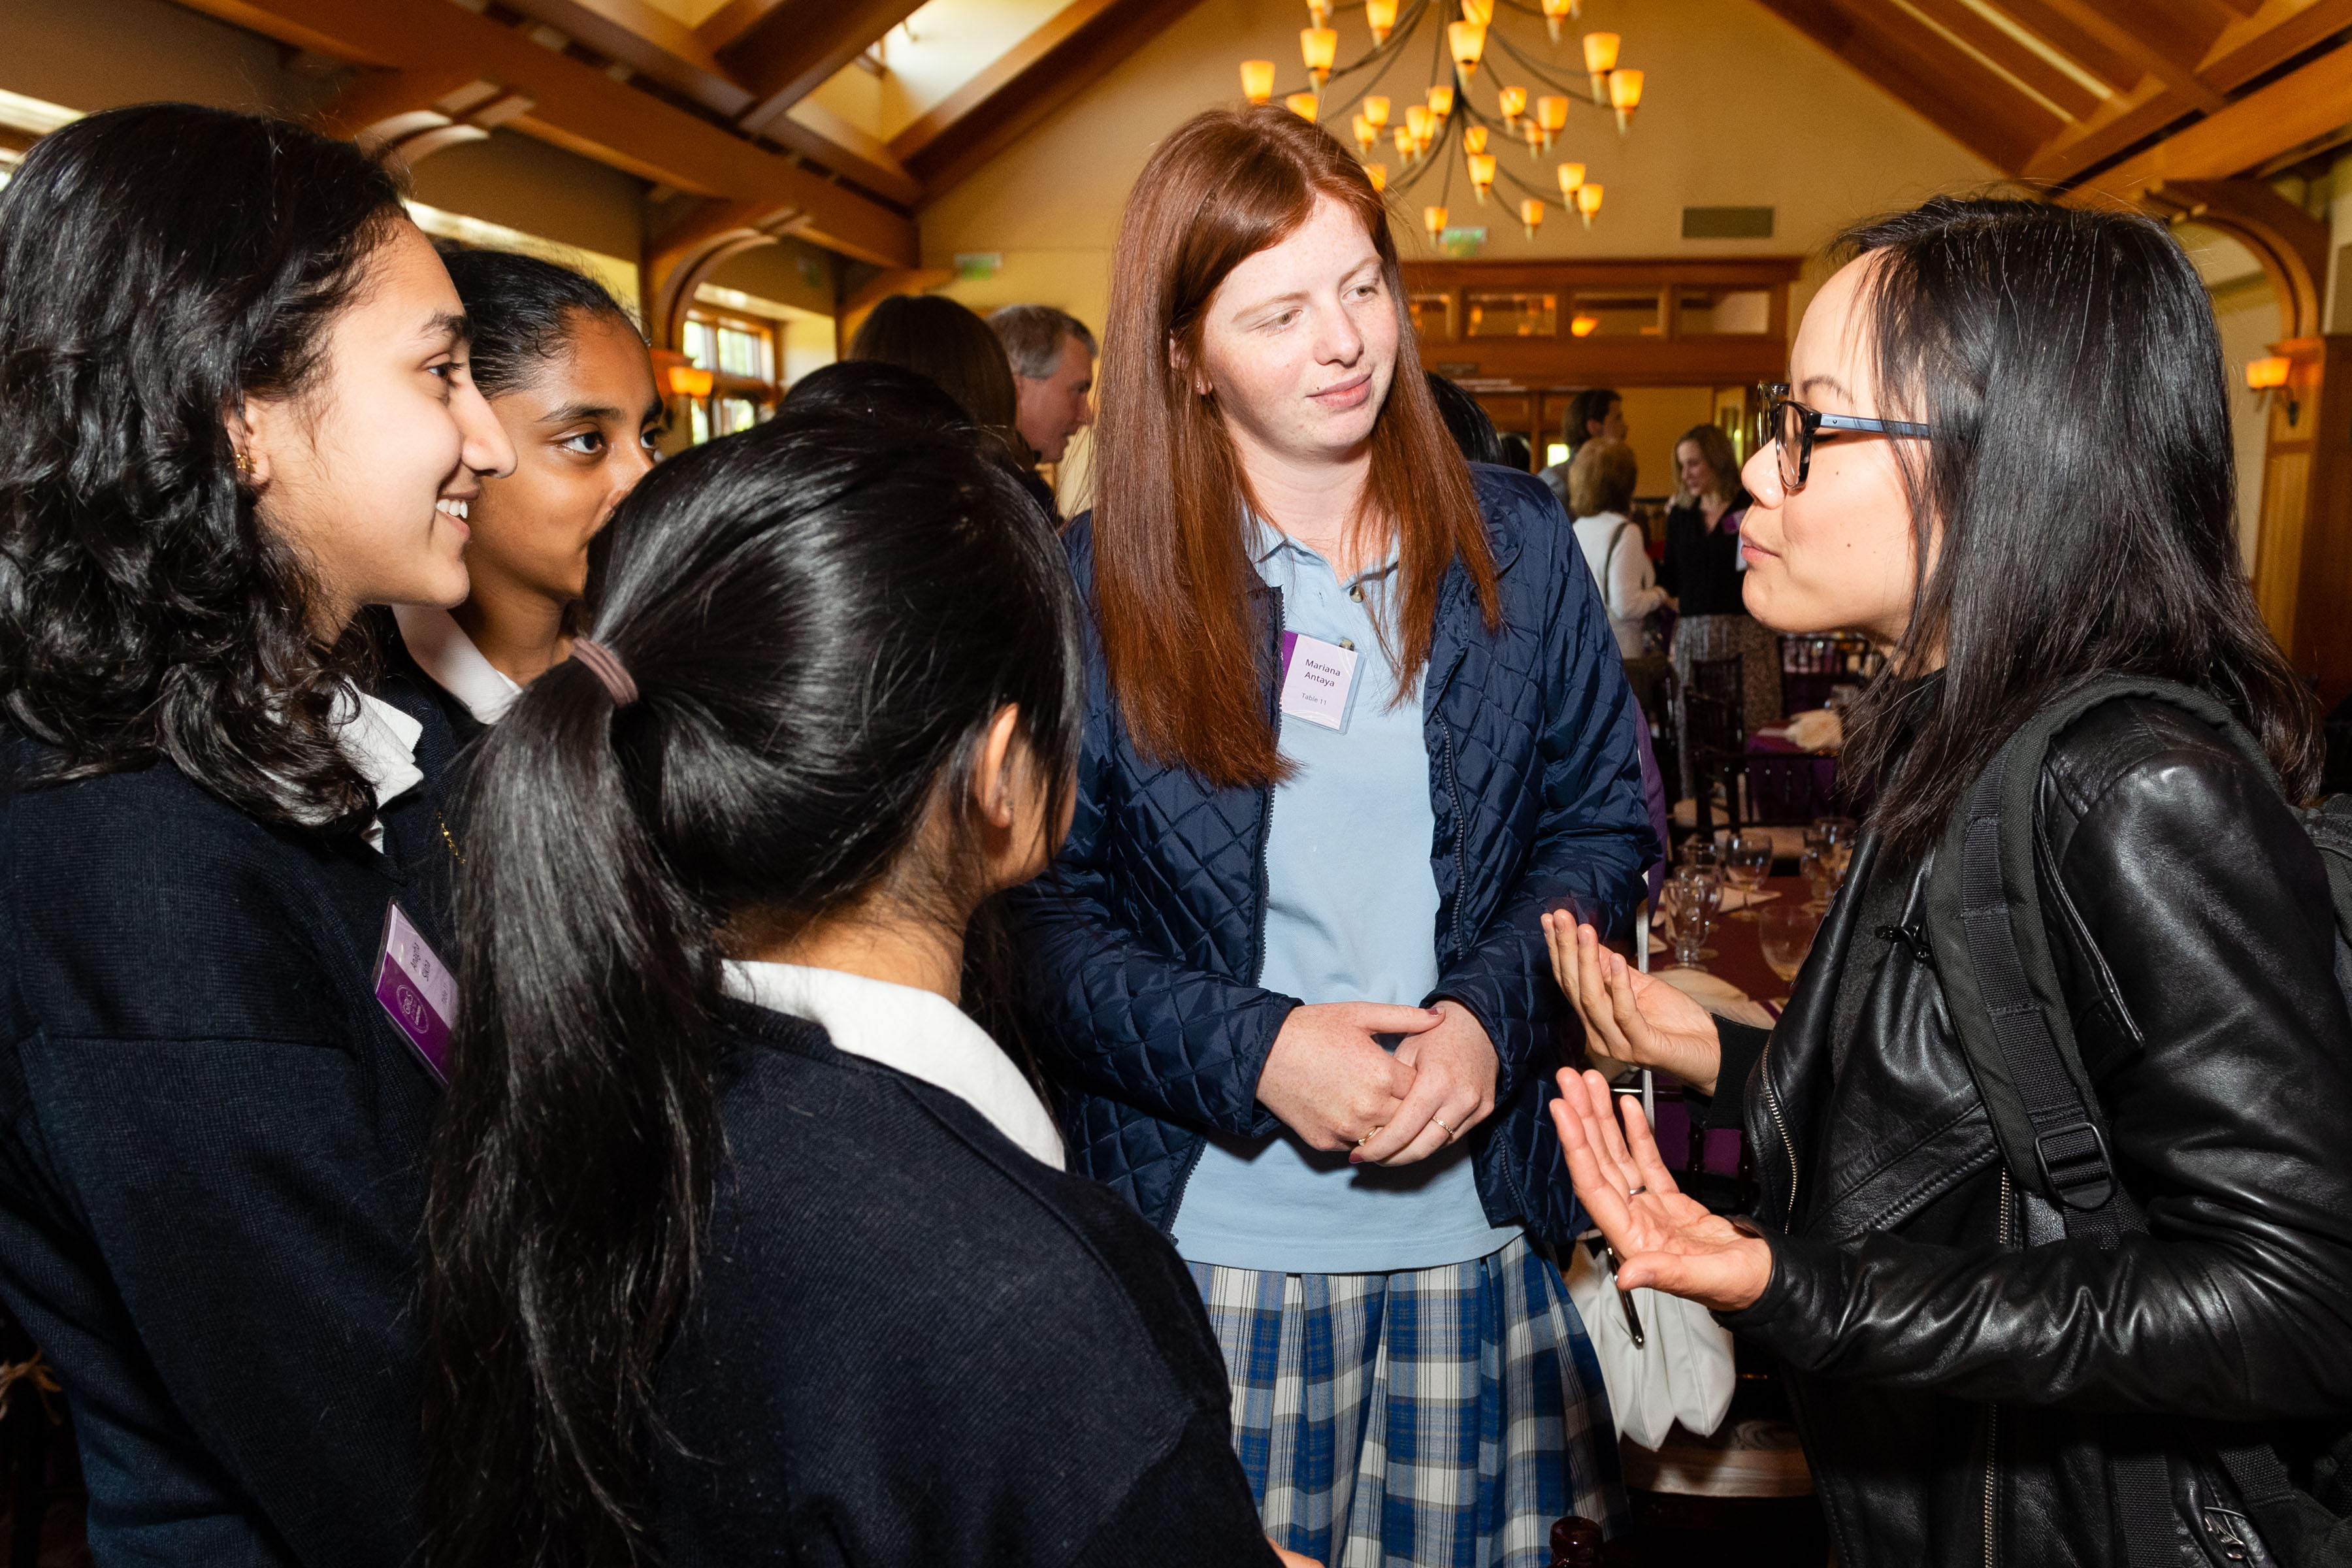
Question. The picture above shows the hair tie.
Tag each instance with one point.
(607, 667)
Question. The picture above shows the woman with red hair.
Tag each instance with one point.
(1356, 721)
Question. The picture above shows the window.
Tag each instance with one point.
(1504, 313)
(740, 354)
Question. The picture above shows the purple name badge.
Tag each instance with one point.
(416, 989)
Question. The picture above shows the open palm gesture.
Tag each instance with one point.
(1668, 1241)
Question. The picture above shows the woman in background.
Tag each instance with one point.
(568, 376)
(233, 410)
(1600, 494)
(933, 336)
(1355, 719)
(746, 1244)
(1702, 571)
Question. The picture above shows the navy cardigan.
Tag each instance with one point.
(210, 1159)
(1143, 945)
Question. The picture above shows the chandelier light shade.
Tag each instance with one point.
(1303, 104)
(1531, 212)
(1434, 219)
(1551, 116)
(1467, 40)
(1474, 138)
(1600, 59)
(1258, 81)
(1479, 11)
(1365, 136)
(1417, 120)
(1571, 175)
(1514, 102)
(1535, 137)
(1318, 46)
(1441, 98)
(1405, 145)
(1588, 202)
(1378, 175)
(1624, 96)
(1380, 16)
(1376, 112)
(1481, 174)
(1556, 12)
(1321, 11)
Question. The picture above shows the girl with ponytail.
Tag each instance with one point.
(744, 1242)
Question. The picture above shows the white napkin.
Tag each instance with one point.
(1716, 995)
(1817, 730)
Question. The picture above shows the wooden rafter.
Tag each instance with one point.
(1028, 82)
(1944, 86)
(2299, 107)
(1969, 26)
(648, 41)
(2120, 71)
(789, 47)
(2151, 37)
(579, 108)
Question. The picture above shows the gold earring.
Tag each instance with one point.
(244, 463)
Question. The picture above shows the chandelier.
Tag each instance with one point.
(1448, 113)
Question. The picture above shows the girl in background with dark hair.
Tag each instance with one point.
(234, 409)
(933, 336)
(745, 1243)
(1355, 720)
(566, 372)
(1702, 569)
(2005, 455)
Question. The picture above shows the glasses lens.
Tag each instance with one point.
(1789, 435)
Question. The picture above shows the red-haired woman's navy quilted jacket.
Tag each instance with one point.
(1141, 950)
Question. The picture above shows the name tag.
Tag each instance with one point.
(416, 989)
(1315, 677)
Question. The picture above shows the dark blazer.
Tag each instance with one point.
(211, 1147)
(1142, 947)
(912, 1345)
(1951, 1371)
(1701, 568)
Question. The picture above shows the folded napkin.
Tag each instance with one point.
(1818, 730)
(1717, 995)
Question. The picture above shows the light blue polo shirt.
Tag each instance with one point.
(1351, 916)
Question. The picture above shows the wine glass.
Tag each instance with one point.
(1747, 862)
(1786, 937)
(1701, 853)
(1692, 898)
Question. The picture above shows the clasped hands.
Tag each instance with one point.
(1666, 1240)
(1331, 1082)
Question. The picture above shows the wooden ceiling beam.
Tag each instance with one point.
(2299, 107)
(2149, 38)
(1925, 74)
(2122, 121)
(789, 47)
(648, 41)
(581, 109)
(1029, 81)
(2281, 30)
(1955, 16)
(2120, 71)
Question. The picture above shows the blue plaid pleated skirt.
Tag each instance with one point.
(1435, 1418)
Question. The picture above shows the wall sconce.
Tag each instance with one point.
(2270, 376)
(685, 381)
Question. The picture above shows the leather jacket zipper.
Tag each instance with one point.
(1992, 1412)
(1773, 1104)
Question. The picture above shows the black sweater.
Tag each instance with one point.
(211, 1144)
(913, 1344)
(1701, 568)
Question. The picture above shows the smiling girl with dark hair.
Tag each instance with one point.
(234, 409)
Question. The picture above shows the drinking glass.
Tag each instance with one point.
(1702, 854)
(1747, 862)
(1691, 899)
(1787, 936)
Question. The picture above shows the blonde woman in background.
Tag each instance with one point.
(1702, 569)
(1599, 497)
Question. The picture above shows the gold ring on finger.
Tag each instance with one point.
(1441, 1121)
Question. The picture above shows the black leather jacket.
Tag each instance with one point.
(1958, 1391)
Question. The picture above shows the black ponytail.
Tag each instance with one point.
(821, 619)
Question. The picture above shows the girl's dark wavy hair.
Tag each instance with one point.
(522, 311)
(820, 616)
(2070, 366)
(159, 265)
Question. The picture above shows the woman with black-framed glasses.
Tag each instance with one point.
(2118, 1334)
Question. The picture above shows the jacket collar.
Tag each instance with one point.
(918, 1033)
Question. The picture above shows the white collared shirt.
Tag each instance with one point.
(440, 645)
(380, 742)
(918, 1033)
